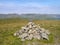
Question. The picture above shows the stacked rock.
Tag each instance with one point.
(31, 31)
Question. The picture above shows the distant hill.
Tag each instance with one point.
(41, 16)
(3, 16)
(32, 16)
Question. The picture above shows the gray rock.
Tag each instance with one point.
(24, 35)
(22, 39)
(44, 36)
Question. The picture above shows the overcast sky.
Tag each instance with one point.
(30, 6)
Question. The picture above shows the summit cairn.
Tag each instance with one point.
(32, 31)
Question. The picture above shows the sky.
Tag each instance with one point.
(30, 6)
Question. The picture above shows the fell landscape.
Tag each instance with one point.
(9, 26)
(29, 22)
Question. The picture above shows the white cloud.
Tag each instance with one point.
(27, 8)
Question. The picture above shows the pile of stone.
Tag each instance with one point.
(31, 31)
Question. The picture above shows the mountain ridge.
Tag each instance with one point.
(31, 16)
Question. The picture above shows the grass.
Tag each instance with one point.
(9, 26)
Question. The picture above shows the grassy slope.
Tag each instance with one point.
(9, 26)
